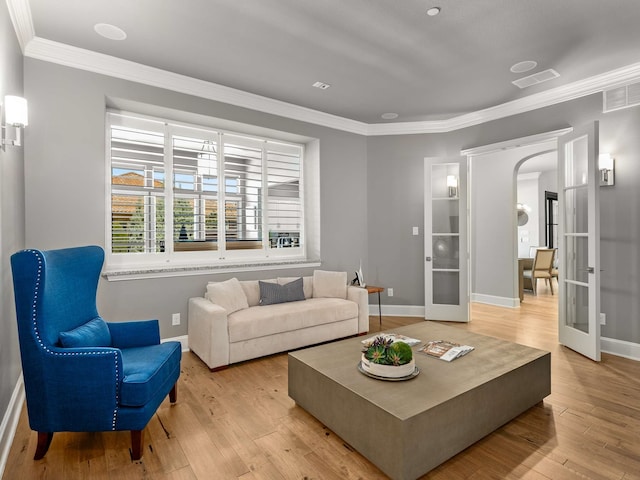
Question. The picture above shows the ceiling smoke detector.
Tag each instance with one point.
(321, 85)
(389, 116)
(433, 11)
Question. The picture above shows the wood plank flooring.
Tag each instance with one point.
(240, 424)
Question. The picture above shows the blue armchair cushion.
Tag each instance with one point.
(94, 333)
(146, 370)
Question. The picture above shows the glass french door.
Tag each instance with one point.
(579, 265)
(445, 239)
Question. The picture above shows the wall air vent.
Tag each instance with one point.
(621, 97)
(536, 78)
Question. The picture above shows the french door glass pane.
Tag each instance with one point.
(577, 307)
(445, 216)
(576, 211)
(446, 252)
(446, 288)
(577, 259)
(576, 163)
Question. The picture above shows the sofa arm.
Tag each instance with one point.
(361, 297)
(208, 331)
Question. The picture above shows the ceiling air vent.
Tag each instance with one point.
(536, 78)
(621, 97)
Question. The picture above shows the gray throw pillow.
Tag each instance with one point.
(271, 293)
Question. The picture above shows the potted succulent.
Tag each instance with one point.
(384, 357)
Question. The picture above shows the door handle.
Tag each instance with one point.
(591, 270)
(428, 259)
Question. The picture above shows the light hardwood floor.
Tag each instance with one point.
(240, 424)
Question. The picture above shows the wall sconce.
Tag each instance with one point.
(14, 116)
(605, 165)
(452, 185)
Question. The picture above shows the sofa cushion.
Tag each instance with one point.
(257, 322)
(228, 294)
(329, 284)
(145, 370)
(272, 293)
(307, 284)
(94, 333)
(251, 289)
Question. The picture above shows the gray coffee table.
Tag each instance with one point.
(408, 428)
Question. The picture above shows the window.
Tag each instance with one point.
(189, 194)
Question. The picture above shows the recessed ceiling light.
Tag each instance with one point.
(525, 66)
(109, 31)
(389, 116)
(433, 11)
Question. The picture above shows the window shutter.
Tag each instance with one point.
(284, 206)
(137, 189)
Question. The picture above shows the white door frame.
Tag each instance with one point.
(527, 141)
(437, 171)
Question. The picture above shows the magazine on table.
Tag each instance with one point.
(444, 349)
(396, 337)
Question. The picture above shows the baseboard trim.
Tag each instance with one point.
(10, 423)
(183, 339)
(620, 348)
(494, 300)
(397, 310)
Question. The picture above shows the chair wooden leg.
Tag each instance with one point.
(137, 439)
(44, 440)
(173, 394)
(551, 285)
(534, 285)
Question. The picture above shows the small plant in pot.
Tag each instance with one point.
(385, 358)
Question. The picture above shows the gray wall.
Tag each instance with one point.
(11, 213)
(395, 186)
(66, 184)
(371, 194)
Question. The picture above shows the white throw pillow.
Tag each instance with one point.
(329, 284)
(228, 294)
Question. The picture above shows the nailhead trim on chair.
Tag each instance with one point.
(64, 354)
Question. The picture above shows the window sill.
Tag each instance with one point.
(141, 273)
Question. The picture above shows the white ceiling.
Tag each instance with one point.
(378, 55)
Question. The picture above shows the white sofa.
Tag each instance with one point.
(233, 323)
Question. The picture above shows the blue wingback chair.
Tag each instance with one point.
(82, 374)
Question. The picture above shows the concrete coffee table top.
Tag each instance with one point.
(444, 409)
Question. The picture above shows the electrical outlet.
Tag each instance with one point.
(390, 292)
(603, 319)
(416, 231)
(175, 319)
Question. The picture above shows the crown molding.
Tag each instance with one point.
(572, 91)
(70, 56)
(55, 52)
(20, 14)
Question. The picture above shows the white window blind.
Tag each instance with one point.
(179, 190)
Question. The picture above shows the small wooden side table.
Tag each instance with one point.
(373, 289)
